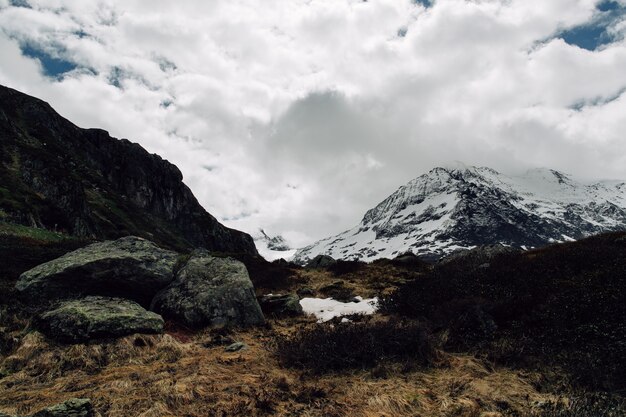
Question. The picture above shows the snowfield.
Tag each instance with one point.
(325, 309)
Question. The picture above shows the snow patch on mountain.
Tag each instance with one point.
(460, 207)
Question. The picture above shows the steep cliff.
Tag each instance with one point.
(82, 182)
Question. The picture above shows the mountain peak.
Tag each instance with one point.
(272, 247)
(459, 206)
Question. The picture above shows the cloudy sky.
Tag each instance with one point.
(299, 115)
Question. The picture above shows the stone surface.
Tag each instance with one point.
(236, 347)
(210, 291)
(408, 259)
(339, 291)
(98, 317)
(76, 407)
(281, 305)
(320, 261)
(129, 267)
(85, 183)
(479, 256)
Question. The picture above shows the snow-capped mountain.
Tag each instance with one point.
(272, 247)
(457, 208)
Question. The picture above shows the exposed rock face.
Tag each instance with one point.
(98, 317)
(85, 183)
(480, 255)
(76, 407)
(276, 243)
(129, 267)
(320, 261)
(210, 291)
(281, 305)
(448, 209)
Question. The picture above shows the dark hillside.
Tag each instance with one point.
(84, 183)
(563, 305)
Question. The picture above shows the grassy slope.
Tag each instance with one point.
(183, 375)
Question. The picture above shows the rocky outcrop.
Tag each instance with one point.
(480, 256)
(85, 183)
(210, 291)
(129, 267)
(320, 261)
(76, 407)
(281, 305)
(98, 317)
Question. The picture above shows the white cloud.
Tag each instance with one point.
(297, 116)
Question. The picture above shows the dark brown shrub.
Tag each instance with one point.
(346, 267)
(562, 305)
(327, 348)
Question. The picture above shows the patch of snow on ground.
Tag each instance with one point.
(325, 309)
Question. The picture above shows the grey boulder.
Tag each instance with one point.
(281, 305)
(320, 261)
(210, 291)
(129, 267)
(98, 317)
(76, 407)
(236, 347)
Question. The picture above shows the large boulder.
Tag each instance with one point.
(210, 291)
(320, 261)
(96, 317)
(281, 305)
(129, 267)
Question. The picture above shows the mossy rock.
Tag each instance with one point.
(210, 291)
(281, 305)
(130, 267)
(320, 261)
(98, 317)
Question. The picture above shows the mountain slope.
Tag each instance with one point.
(272, 247)
(83, 182)
(453, 208)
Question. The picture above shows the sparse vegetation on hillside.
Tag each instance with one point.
(376, 366)
(558, 306)
(332, 348)
(586, 405)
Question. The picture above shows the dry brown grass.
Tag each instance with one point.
(371, 281)
(165, 375)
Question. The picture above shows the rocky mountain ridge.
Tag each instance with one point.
(277, 243)
(272, 247)
(448, 209)
(82, 182)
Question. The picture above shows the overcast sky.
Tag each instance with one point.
(299, 115)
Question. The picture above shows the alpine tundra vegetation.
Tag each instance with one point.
(244, 253)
